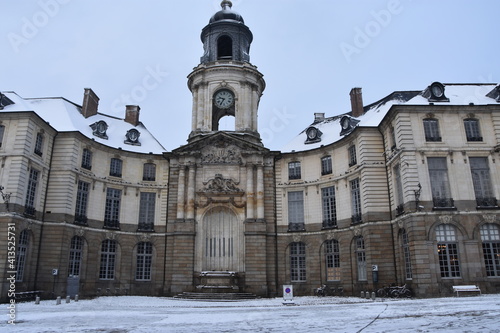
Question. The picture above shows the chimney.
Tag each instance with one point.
(319, 117)
(132, 114)
(90, 103)
(356, 102)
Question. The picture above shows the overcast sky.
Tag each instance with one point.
(311, 54)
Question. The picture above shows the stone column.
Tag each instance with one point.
(194, 116)
(180, 193)
(260, 192)
(191, 192)
(250, 193)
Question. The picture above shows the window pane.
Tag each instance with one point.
(298, 262)
(447, 251)
(112, 211)
(326, 165)
(361, 259)
(115, 167)
(144, 261)
(75, 256)
(295, 207)
(472, 130)
(481, 178)
(329, 207)
(87, 159)
(332, 257)
(22, 253)
(490, 236)
(108, 256)
(431, 130)
(149, 172)
(294, 171)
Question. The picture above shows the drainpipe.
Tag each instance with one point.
(276, 158)
(43, 212)
(390, 210)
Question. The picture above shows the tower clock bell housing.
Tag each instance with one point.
(225, 83)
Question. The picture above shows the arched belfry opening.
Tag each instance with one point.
(224, 48)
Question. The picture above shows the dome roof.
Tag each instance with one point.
(226, 13)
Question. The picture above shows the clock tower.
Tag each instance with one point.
(221, 183)
(225, 83)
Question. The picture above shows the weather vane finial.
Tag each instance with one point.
(225, 4)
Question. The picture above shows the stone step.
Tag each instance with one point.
(216, 296)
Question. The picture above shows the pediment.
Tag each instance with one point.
(212, 146)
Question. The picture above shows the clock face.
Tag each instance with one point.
(224, 99)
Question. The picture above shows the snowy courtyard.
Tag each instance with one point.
(308, 314)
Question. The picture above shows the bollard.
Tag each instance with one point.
(362, 294)
(68, 299)
(76, 298)
(58, 300)
(367, 295)
(37, 300)
(373, 295)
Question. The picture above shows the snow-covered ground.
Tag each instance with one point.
(310, 314)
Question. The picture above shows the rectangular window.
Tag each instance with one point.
(355, 201)
(39, 144)
(440, 186)
(296, 211)
(2, 131)
(482, 182)
(447, 248)
(329, 207)
(147, 211)
(149, 172)
(87, 159)
(406, 253)
(294, 171)
(108, 256)
(29, 207)
(326, 165)
(82, 197)
(431, 130)
(115, 168)
(472, 131)
(353, 160)
(361, 259)
(298, 262)
(144, 261)
(112, 210)
(399, 190)
(22, 253)
(332, 253)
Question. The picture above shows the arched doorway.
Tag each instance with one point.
(221, 241)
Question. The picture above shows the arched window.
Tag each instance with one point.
(405, 244)
(332, 256)
(490, 236)
(22, 253)
(447, 247)
(298, 262)
(108, 257)
(360, 258)
(224, 48)
(75, 256)
(144, 261)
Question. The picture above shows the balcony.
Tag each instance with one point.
(443, 203)
(329, 224)
(146, 226)
(29, 211)
(296, 227)
(356, 219)
(400, 210)
(112, 224)
(486, 203)
(81, 220)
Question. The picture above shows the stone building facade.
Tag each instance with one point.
(402, 190)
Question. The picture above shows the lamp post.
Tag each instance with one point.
(5, 197)
(418, 208)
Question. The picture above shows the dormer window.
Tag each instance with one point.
(99, 129)
(4, 101)
(347, 124)
(435, 93)
(313, 135)
(132, 137)
(495, 93)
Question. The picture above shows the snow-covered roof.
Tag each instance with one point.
(65, 116)
(456, 94)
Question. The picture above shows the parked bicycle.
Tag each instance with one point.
(395, 292)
